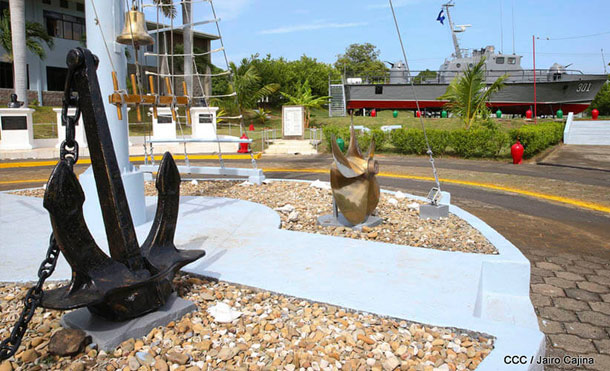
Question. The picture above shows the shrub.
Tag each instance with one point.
(538, 137)
(478, 142)
(412, 141)
(364, 139)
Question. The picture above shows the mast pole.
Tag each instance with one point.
(534, 49)
(458, 52)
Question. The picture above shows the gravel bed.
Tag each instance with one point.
(401, 223)
(273, 332)
(300, 204)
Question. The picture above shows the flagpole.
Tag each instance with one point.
(534, 47)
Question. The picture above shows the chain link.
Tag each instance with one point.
(32, 300)
(68, 153)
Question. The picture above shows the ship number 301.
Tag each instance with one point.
(583, 87)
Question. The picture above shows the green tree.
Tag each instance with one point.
(602, 100)
(468, 94)
(361, 60)
(424, 75)
(247, 84)
(35, 37)
(304, 97)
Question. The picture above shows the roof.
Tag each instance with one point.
(196, 34)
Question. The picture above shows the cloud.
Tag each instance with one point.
(231, 9)
(396, 3)
(311, 26)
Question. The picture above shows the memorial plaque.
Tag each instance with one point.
(293, 122)
(14, 123)
(206, 118)
(164, 119)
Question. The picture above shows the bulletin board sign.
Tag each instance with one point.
(293, 122)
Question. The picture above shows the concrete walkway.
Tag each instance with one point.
(486, 293)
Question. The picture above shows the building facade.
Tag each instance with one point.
(65, 20)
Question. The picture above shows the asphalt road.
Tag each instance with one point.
(528, 222)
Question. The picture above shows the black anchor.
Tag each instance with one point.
(133, 280)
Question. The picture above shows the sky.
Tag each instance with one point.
(324, 29)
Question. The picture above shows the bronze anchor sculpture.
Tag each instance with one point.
(352, 179)
(134, 280)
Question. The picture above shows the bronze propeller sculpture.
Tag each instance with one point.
(134, 280)
(352, 179)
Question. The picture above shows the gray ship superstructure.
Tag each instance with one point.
(557, 88)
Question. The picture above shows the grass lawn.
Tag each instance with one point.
(45, 127)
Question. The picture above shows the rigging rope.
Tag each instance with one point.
(421, 119)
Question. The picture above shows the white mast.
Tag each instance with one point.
(458, 52)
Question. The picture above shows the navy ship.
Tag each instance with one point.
(557, 88)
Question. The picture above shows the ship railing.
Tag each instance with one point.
(445, 76)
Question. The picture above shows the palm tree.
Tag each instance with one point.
(468, 94)
(35, 36)
(247, 84)
(304, 97)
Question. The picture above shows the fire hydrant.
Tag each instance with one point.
(517, 152)
(244, 147)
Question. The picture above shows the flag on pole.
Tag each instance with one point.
(441, 17)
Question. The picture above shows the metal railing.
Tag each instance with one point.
(446, 76)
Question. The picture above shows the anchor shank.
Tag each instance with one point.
(120, 231)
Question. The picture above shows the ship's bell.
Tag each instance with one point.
(135, 31)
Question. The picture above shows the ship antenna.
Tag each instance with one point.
(513, 21)
(501, 29)
(456, 45)
(421, 119)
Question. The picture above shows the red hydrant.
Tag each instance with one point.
(373, 113)
(594, 114)
(244, 147)
(528, 114)
(517, 152)
(251, 128)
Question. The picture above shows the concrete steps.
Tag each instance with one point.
(593, 132)
(290, 146)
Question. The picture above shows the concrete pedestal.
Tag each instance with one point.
(79, 136)
(133, 182)
(16, 128)
(108, 335)
(204, 122)
(164, 126)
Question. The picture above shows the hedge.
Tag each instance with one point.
(475, 142)
(536, 138)
(364, 139)
(412, 141)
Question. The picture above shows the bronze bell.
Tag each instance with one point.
(135, 31)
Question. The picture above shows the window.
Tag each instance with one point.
(6, 75)
(56, 78)
(64, 26)
(379, 89)
(80, 7)
(500, 60)
(458, 65)
(512, 60)
(63, 3)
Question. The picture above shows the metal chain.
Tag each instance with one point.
(33, 298)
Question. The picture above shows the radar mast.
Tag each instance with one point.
(458, 52)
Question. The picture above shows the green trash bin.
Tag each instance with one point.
(395, 113)
(444, 114)
(341, 144)
(499, 114)
(559, 114)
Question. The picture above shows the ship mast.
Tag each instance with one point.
(458, 52)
